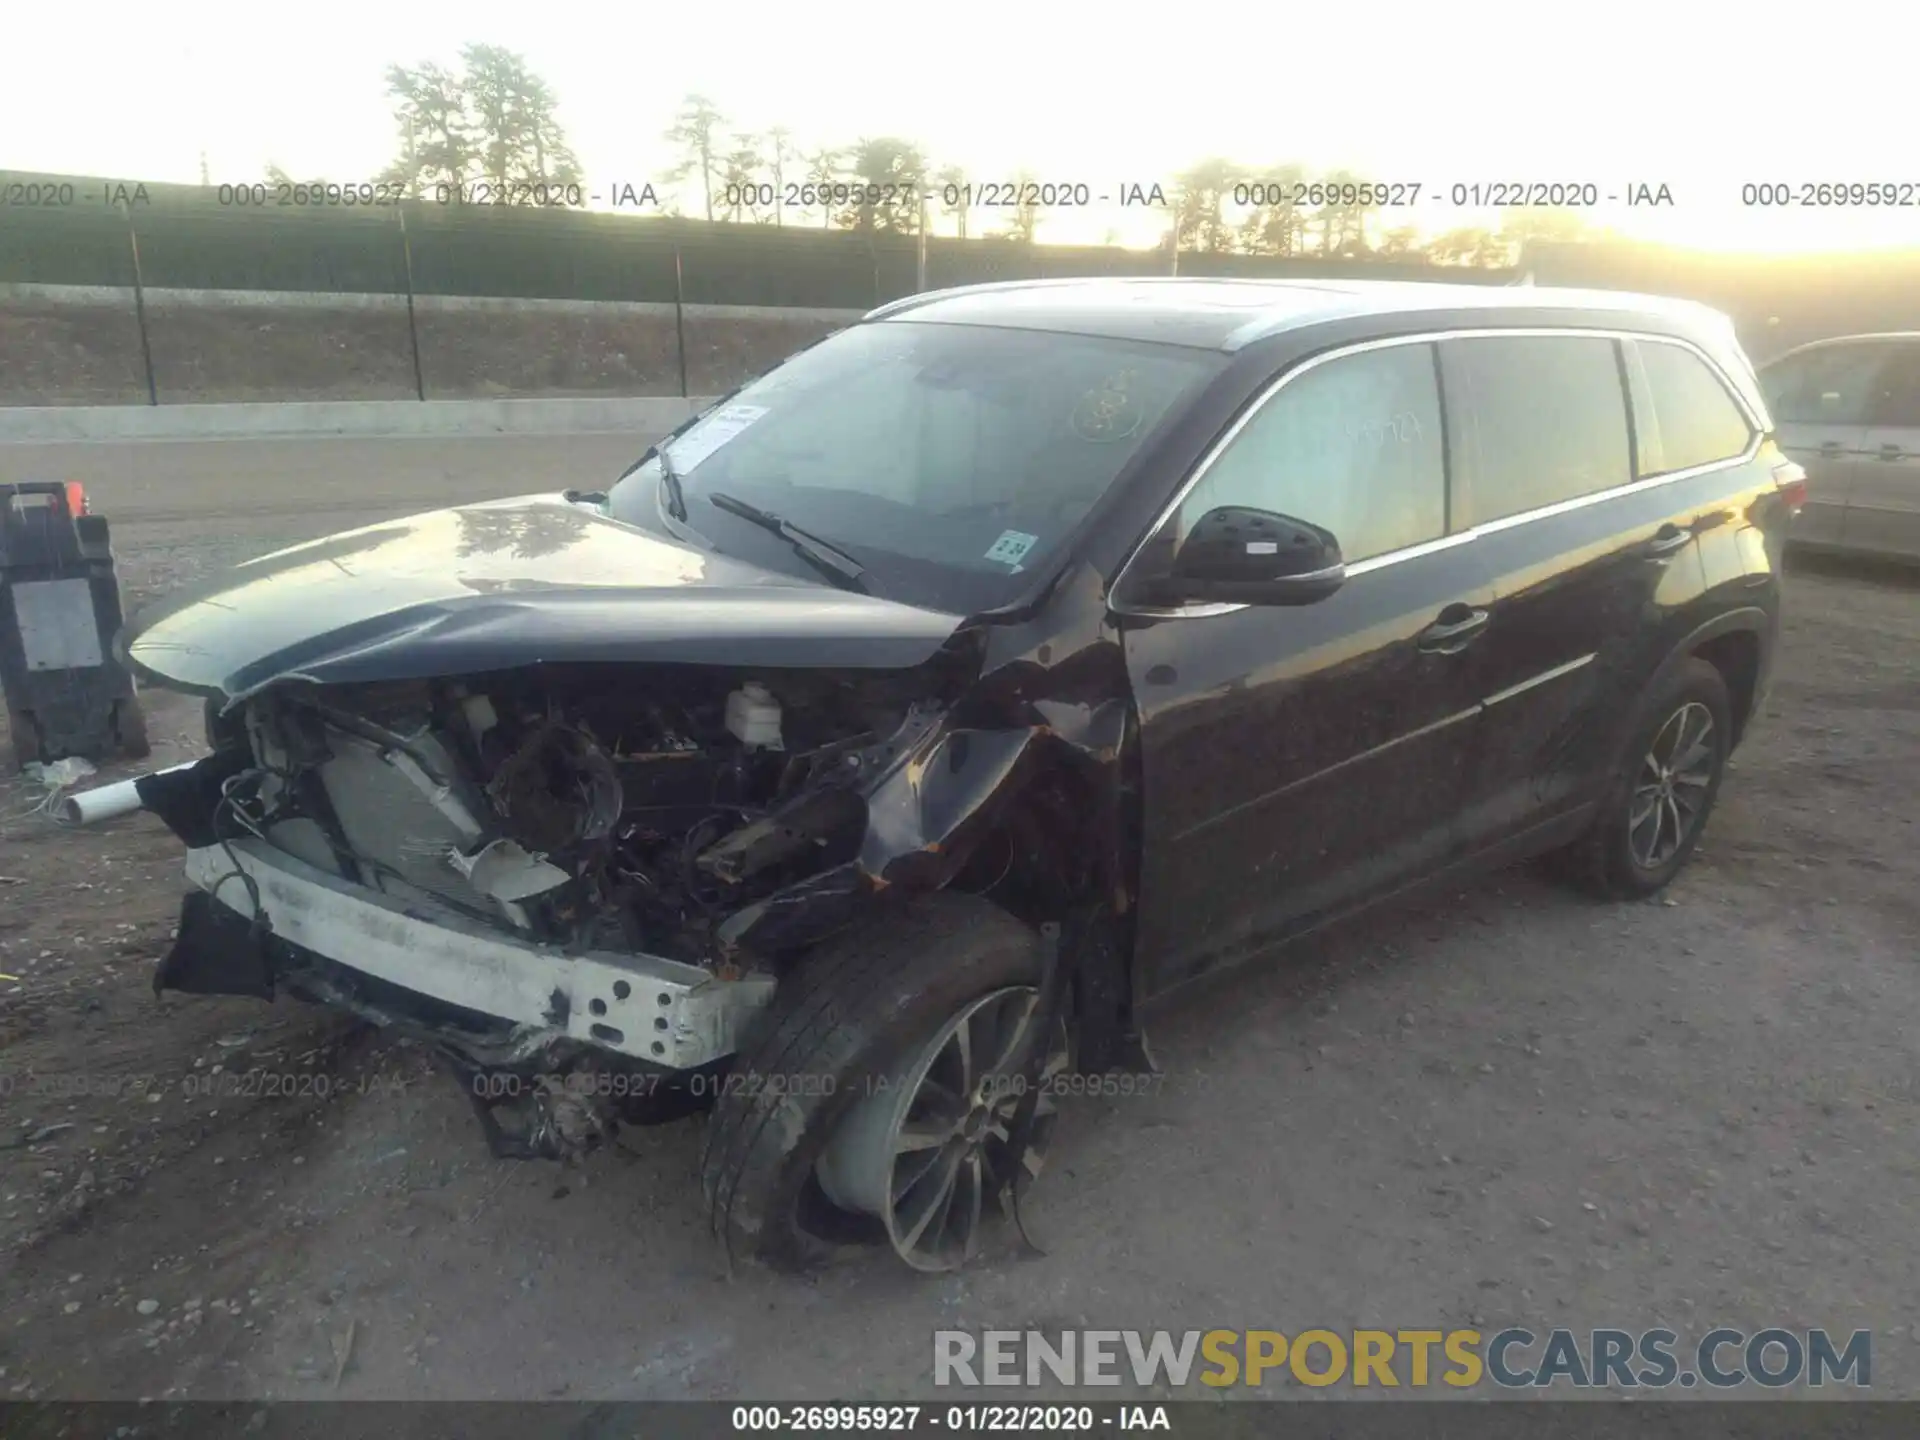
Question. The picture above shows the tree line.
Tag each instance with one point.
(493, 119)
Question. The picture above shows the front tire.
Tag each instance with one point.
(846, 1023)
(1661, 789)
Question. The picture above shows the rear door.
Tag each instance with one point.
(1820, 398)
(1883, 508)
(1585, 548)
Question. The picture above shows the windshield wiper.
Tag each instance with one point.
(659, 446)
(846, 572)
(670, 482)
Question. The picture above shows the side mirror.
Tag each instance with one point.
(1255, 557)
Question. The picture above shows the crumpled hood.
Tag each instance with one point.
(505, 584)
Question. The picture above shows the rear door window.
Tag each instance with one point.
(1828, 385)
(1690, 418)
(1896, 395)
(1540, 419)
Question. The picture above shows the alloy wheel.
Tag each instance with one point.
(926, 1147)
(1669, 797)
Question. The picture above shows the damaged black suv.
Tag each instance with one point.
(881, 744)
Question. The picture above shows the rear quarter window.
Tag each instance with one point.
(1692, 418)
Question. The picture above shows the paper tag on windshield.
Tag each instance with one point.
(1012, 547)
(711, 433)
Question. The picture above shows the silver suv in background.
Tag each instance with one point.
(1848, 409)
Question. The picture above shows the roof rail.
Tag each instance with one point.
(927, 297)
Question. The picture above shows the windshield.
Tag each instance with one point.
(947, 460)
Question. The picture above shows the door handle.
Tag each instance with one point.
(1891, 452)
(1667, 539)
(1451, 636)
(1829, 449)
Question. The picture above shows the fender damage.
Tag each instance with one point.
(752, 778)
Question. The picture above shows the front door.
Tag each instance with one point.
(1298, 761)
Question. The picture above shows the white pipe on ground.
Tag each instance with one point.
(105, 802)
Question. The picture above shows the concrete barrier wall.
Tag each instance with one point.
(644, 415)
(81, 346)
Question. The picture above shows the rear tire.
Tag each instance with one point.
(850, 1012)
(1661, 789)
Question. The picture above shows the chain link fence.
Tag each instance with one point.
(116, 294)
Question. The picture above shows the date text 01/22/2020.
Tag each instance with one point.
(222, 1084)
(376, 194)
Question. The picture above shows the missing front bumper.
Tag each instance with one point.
(657, 1011)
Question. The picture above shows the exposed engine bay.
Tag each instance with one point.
(629, 810)
(580, 884)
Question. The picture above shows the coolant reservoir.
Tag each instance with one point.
(753, 716)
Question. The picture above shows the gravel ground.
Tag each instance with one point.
(1508, 1105)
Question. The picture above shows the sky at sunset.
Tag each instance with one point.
(1632, 93)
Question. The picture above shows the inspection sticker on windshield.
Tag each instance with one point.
(1012, 547)
(713, 432)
